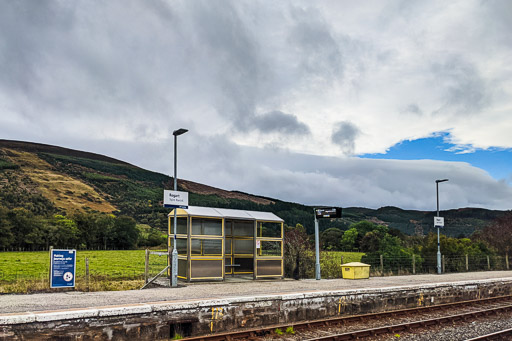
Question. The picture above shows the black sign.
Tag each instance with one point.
(329, 212)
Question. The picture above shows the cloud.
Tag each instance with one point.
(345, 135)
(255, 82)
(280, 122)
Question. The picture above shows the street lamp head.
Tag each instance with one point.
(179, 132)
(443, 180)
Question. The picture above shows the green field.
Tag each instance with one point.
(22, 272)
(109, 270)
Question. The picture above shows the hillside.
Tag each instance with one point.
(49, 179)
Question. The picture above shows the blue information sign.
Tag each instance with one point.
(62, 269)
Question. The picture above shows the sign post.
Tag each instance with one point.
(62, 268)
(438, 222)
(175, 199)
(326, 212)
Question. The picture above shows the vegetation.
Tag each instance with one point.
(51, 196)
(109, 270)
(20, 229)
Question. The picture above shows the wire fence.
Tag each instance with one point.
(22, 272)
(381, 265)
(121, 270)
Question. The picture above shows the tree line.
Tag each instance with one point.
(377, 241)
(21, 229)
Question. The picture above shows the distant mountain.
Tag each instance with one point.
(48, 179)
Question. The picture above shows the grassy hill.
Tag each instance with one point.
(49, 179)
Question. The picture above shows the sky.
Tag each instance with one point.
(337, 103)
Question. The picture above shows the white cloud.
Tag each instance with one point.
(118, 77)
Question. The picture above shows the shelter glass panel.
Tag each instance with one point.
(182, 268)
(269, 267)
(181, 245)
(270, 248)
(228, 227)
(206, 247)
(243, 229)
(206, 268)
(243, 246)
(227, 246)
(196, 226)
(181, 225)
(212, 227)
(195, 247)
(269, 230)
(208, 227)
(212, 247)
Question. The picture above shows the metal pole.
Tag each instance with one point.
(317, 250)
(174, 264)
(438, 243)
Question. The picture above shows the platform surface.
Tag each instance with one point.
(208, 291)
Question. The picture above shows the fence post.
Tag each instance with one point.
(87, 273)
(467, 262)
(342, 262)
(382, 265)
(49, 267)
(488, 263)
(506, 261)
(442, 264)
(146, 267)
(414, 264)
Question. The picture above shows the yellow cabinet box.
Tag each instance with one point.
(355, 270)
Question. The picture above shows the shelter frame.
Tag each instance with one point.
(215, 242)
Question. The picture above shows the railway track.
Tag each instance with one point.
(505, 334)
(493, 306)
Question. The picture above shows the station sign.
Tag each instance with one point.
(62, 268)
(328, 212)
(438, 221)
(175, 199)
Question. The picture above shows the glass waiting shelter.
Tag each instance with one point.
(213, 243)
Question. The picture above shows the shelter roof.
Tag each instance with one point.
(228, 213)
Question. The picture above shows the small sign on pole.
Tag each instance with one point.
(62, 268)
(329, 212)
(175, 199)
(258, 243)
(438, 221)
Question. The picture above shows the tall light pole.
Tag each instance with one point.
(174, 265)
(438, 243)
(318, 275)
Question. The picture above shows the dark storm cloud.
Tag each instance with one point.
(278, 121)
(345, 135)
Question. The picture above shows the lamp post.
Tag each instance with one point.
(174, 265)
(438, 243)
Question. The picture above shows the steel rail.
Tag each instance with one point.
(411, 325)
(264, 330)
(493, 336)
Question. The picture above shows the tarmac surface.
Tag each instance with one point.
(233, 287)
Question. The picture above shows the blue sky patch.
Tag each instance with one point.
(497, 162)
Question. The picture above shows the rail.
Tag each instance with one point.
(262, 331)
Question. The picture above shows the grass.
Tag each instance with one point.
(64, 191)
(22, 272)
(347, 256)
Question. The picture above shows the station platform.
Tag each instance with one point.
(237, 303)
(233, 287)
